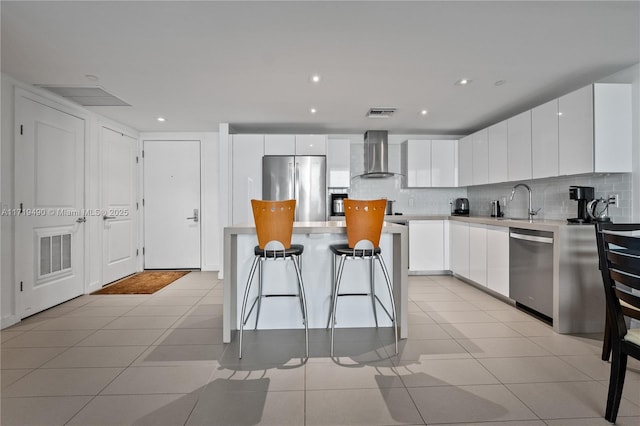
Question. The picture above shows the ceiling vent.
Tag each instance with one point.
(381, 112)
(86, 96)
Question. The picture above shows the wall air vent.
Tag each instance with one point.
(381, 112)
(86, 96)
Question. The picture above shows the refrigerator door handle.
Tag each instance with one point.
(296, 181)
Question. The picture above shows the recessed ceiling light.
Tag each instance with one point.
(315, 78)
(499, 82)
(424, 112)
(313, 110)
(162, 119)
(560, 113)
(91, 77)
(463, 82)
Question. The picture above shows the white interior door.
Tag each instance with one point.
(172, 204)
(49, 180)
(118, 157)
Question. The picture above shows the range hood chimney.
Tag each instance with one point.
(376, 154)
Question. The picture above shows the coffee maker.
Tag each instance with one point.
(337, 204)
(583, 194)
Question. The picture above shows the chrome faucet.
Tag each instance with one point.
(530, 212)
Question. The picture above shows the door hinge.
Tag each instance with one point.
(143, 153)
(136, 159)
(137, 206)
(21, 289)
(143, 251)
(137, 252)
(143, 202)
(21, 129)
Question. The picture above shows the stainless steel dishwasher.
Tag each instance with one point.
(531, 271)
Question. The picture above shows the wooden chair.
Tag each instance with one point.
(274, 226)
(627, 309)
(364, 220)
(620, 269)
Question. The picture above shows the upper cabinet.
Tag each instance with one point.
(465, 161)
(339, 163)
(246, 165)
(480, 157)
(295, 144)
(544, 135)
(498, 159)
(595, 130)
(428, 163)
(519, 146)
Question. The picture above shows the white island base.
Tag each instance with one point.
(279, 277)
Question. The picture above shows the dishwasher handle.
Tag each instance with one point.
(535, 239)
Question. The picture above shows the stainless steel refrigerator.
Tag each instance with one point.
(302, 178)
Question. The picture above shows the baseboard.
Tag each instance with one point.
(9, 321)
(413, 273)
(94, 286)
(210, 267)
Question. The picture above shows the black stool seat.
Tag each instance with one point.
(340, 249)
(294, 250)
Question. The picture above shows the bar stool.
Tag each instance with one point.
(364, 225)
(274, 226)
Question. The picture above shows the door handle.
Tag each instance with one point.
(105, 217)
(81, 220)
(195, 216)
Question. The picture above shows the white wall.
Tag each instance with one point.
(7, 293)
(635, 184)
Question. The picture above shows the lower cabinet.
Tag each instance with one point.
(498, 259)
(478, 253)
(427, 245)
(459, 248)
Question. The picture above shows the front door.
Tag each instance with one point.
(172, 204)
(49, 183)
(118, 156)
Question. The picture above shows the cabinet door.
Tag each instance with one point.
(575, 129)
(498, 259)
(443, 163)
(247, 151)
(465, 161)
(459, 248)
(478, 253)
(613, 123)
(279, 145)
(519, 148)
(416, 163)
(544, 140)
(339, 163)
(426, 245)
(481, 157)
(498, 158)
(311, 144)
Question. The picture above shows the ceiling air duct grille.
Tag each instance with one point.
(86, 96)
(381, 112)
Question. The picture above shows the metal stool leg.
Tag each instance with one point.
(243, 320)
(372, 282)
(335, 299)
(333, 288)
(259, 292)
(393, 303)
(303, 300)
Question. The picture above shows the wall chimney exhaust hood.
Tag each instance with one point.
(376, 154)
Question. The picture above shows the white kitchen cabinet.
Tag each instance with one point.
(247, 152)
(595, 127)
(444, 164)
(459, 248)
(480, 157)
(478, 253)
(339, 163)
(544, 140)
(311, 144)
(279, 144)
(426, 245)
(416, 163)
(519, 146)
(498, 158)
(498, 259)
(465, 161)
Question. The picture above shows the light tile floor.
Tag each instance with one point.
(159, 360)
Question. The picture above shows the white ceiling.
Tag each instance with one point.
(249, 63)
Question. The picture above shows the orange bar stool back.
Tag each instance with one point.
(364, 219)
(274, 226)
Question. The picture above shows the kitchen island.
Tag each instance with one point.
(284, 313)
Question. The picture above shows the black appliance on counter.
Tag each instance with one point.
(337, 204)
(460, 207)
(583, 194)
